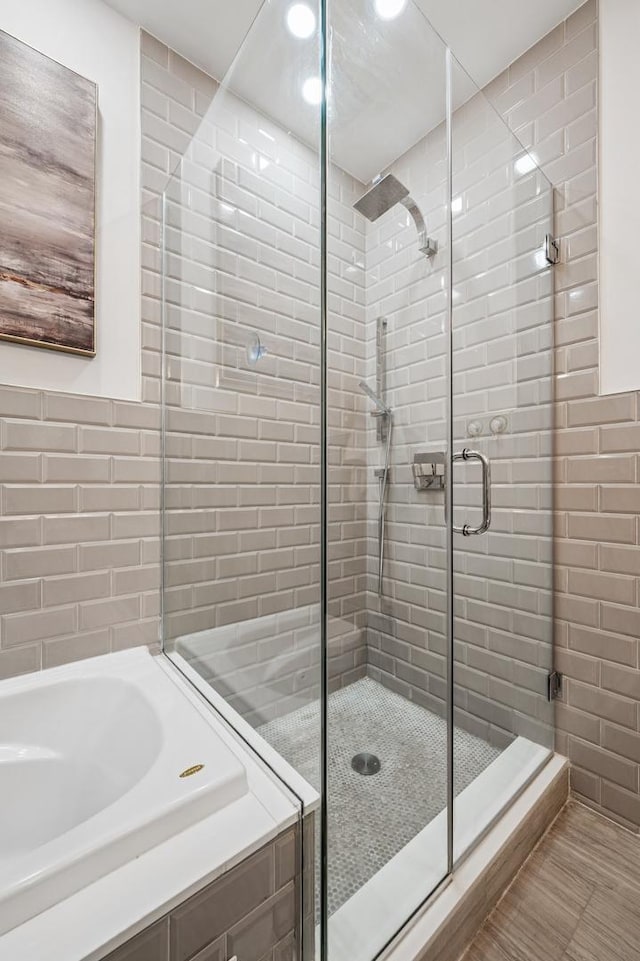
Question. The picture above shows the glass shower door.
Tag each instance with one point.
(439, 330)
(386, 777)
(241, 287)
(502, 424)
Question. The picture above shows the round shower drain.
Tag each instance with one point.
(365, 763)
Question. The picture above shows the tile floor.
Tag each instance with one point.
(372, 818)
(577, 898)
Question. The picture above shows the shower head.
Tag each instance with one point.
(376, 400)
(384, 195)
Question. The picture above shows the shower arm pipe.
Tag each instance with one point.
(409, 204)
(427, 245)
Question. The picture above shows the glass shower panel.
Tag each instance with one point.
(387, 272)
(502, 368)
(241, 392)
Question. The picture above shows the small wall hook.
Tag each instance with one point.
(255, 350)
(498, 425)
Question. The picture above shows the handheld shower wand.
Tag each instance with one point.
(382, 409)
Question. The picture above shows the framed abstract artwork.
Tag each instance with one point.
(48, 132)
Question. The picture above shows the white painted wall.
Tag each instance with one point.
(619, 185)
(89, 37)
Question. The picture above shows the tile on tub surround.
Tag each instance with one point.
(65, 529)
(250, 911)
(219, 907)
(149, 945)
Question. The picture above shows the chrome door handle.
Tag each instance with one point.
(467, 455)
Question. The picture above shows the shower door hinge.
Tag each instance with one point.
(551, 250)
(554, 685)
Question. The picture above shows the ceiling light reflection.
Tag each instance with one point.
(312, 90)
(389, 9)
(525, 164)
(301, 20)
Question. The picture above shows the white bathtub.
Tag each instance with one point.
(91, 757)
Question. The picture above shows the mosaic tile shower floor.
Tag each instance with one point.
(372, 818)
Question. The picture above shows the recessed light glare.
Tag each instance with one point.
(312, 90)
(541, 259)
(525, 164)
(389, 9)
(259, 162)
(301, 20)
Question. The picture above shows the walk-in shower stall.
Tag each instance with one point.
(357, 393)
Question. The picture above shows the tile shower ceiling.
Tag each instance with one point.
(385, 103)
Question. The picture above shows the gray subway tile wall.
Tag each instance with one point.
(502, 365)
(80, 542)
(249, 911)
(597, 622)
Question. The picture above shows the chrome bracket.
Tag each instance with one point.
(551, 250)
(428, 246)
(554, 686)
